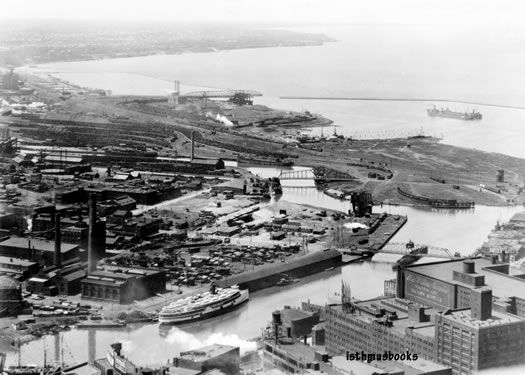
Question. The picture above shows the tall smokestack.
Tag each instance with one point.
(92, 261)
(58, 242)
(192, 145)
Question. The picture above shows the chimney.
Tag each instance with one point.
(481, 303)
(92, 261)
(58, 243)
(469, 266)
(192, 145)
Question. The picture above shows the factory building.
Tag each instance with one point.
(38, 250)
(123, 285)
(470, 340)
(466, 340)
(297, 323)
(444, 311)
(224, 358)
(194, 166)
(62, 281)
(378, 325)
(17, 268)
(10, 296)
(448, 284)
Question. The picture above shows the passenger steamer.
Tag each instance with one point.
(203, 306)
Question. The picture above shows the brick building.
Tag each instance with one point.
(123, 285)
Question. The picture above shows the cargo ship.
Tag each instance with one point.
(203, 306)
(447, 113)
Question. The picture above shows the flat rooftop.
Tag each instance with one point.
(370, 308)
(37, 244)
(502, 285)
(16, 261)
(206, 352)
(497, 318)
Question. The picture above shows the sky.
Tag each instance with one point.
(273, 11)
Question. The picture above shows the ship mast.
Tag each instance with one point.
(19, 353)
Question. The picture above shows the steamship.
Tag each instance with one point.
(434, 112)
(203, 306)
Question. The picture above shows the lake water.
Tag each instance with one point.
(411, 61)
(380, 61)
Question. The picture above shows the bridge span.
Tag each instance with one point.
(408, 249)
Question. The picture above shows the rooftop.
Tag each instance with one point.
(518, 217)
(7, 282)
(502, 285)
(497, 318)
(207, 352)
(37, 244)
(16, 261)
(370, 308)
(292, 314)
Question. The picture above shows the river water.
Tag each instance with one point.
(461, 231)
(379, 61)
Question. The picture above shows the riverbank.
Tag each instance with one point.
(380, 166)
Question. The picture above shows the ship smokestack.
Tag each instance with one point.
(192, 145)
(58, 243)
(92, 261)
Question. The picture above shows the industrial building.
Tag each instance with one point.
(225, 358)
(62, 281)
(470, 340)
(448, 284)
(123, 285)
(17, 268)
(10, 296)
(38, 250)
(465, 314)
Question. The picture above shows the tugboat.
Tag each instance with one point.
(286, 280)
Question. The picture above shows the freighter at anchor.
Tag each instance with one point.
(445, 112)
(203, 306)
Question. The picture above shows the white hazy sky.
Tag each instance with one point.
(272, 11)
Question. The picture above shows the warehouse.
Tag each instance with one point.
(38, 250)
(123, 285)
(448, 284)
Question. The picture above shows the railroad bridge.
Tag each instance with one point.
(317, 174)
(410, 248)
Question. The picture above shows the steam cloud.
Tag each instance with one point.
(187, 341)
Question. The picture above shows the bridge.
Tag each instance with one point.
(318, 173)
(406, 249)
(219, 93)
(306, 174)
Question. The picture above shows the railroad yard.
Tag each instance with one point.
(168, 188)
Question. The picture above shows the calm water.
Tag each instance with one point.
(379, 61)
(461, 230)
(367, 61)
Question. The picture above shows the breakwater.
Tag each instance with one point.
(369, 99)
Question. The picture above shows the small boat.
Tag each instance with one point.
(286, 280)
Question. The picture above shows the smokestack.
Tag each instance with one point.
(58, 242)
(92, 261)
(192, 145)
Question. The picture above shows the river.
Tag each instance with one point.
(461, 231)
(372, 61)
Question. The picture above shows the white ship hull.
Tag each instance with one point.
(206, 313)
